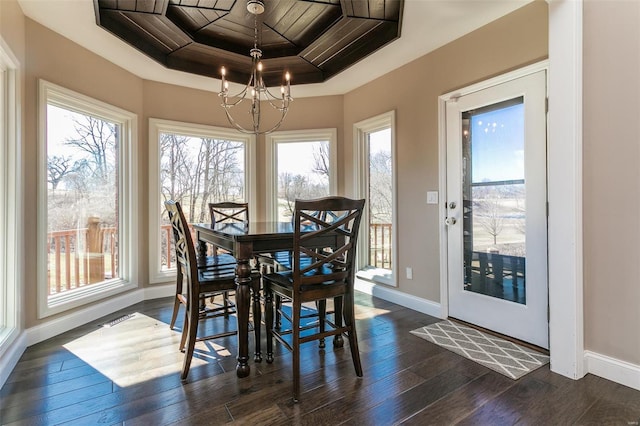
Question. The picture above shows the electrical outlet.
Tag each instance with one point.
(409, 273)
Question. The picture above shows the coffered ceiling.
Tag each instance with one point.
(425, 25)
(312, 39)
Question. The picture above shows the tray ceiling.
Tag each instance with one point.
(312, 39)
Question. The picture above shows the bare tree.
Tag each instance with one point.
(197, 171)
(98, 139)
(57, 169)
(381, 187)
(321, 159)
(490, 216)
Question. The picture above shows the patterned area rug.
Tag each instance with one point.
(500, 355)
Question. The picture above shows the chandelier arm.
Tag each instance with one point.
(236, 125)
(276, 126)
(271, 95)
(226, 105)
(284, 106)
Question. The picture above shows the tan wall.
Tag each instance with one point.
(611, 186)
(513, 41)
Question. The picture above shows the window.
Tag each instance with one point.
(194, 165)
(375, 180)
(302, 165)
(10, 200)
(87, 231)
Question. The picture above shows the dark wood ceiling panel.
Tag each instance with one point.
(313, 39)
(386, 32)
(335, 42)
(145, 6)
(307, 22)
(191, 20)
(112, 21)
(377, 9)
(129, 5)
(360, 8)
(106, 4)
(158, 28)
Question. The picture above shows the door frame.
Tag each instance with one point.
(566, 334)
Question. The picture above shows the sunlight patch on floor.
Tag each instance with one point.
(139, 348)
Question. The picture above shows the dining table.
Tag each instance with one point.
(245, 241)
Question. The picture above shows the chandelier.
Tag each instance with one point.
(256, 90)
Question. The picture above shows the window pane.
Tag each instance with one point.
(196, 171)
(82, 200)
(380, 198)
(303, 172)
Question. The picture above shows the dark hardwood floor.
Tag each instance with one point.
(129, 374)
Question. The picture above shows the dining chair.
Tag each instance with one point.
(200, 282)
(223, 212)
(229, 212)
(324, 248)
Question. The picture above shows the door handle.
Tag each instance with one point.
(450, 221)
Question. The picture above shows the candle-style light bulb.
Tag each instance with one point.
(260, 66)
(223, 72)
(287, 77)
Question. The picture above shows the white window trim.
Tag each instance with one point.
(11, 213)
(361, 185)
(293, 136)
(128, 184)
(157, 126)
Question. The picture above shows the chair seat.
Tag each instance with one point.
(216, 260)
(283, 260)
(285, 278)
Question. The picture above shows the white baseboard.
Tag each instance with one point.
(72, 320)
(10, 358)
(399, 298)
(612, 369)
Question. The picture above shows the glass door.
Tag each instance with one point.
(496, 208)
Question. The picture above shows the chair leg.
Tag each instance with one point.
(225, 303)
(296, 307)
(338, 341)
(191, 341)
(349, 319)
(177, 302)
(174, 315)
(268, 305)
(278, 301)
(185, 330)
(322, 317)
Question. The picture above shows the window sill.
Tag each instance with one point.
(377, 275)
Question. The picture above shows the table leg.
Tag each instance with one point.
(257, 319)
(243, 300)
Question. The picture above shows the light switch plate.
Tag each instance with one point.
(432, 197)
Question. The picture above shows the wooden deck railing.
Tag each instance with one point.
(380, 245)
(85, 256)
(80, 257)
